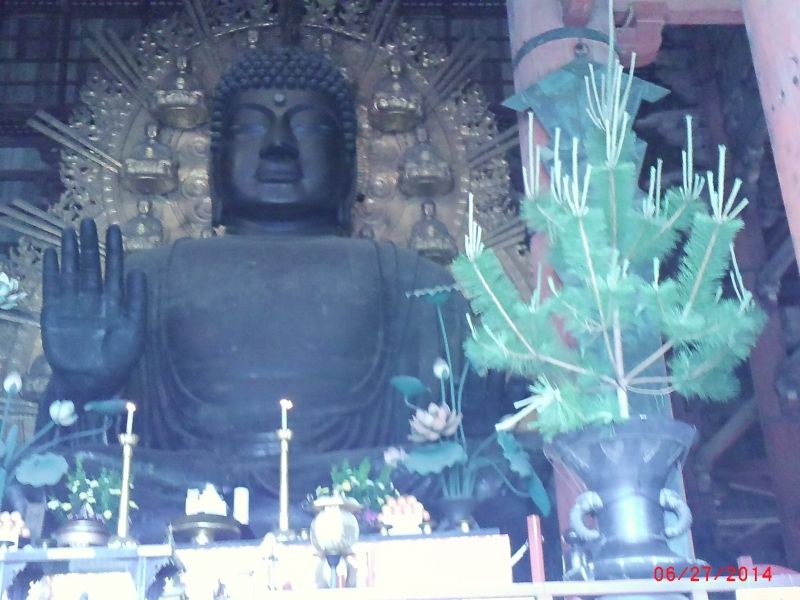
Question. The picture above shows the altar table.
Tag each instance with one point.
(247, 570)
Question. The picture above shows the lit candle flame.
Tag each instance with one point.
(131, 408)
(286, 404)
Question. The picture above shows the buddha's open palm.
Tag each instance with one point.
(92, 330)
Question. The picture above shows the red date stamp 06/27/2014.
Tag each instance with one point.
(708, 573)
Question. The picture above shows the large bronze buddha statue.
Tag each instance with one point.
(209, 334)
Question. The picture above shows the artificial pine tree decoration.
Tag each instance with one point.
(629, 264)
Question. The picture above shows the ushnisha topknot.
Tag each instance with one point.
(287, 68)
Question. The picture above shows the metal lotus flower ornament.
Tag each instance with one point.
(441, 446)
(27, 462)
(62, 412)
(9, 292)
(438, 421)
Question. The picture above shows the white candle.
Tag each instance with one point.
(131, 408)
(285, 406)
(241, 505)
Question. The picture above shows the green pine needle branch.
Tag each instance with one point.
(576, 339)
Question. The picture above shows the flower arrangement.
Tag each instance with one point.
(357, 483)
(437, 432)
(88, 497)
(30, 463)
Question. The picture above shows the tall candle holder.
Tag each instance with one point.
(284, 436)
(127, 440)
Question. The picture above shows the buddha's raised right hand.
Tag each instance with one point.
(92, 330)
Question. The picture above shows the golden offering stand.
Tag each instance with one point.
(203, 529)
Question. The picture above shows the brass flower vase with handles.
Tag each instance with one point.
(82, 533)
(454, 513)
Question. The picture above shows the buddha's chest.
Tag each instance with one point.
(238, 317)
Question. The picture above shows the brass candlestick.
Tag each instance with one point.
(284, 435)
(127, 441)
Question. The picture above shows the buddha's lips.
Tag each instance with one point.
(285, 171)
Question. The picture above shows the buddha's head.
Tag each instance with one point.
(283, 141)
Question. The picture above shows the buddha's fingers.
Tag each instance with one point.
(69, 263)
(90, 281)
(50, 287)
(114, 267)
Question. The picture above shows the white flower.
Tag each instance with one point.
(63, 413)
(54, 504)
(12, 384)
(93, 484)
(82, 496)
(441, 369)
(106, 514)
(65, 506)
(393, 456)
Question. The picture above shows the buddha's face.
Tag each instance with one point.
(281, 155)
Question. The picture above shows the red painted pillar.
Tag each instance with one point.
(774, 31)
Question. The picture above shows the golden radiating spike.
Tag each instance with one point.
(41, 214)
(378, 30)
(202, 29)
(456, 76)
(67, 138)
(386, 22)
(510, 238)
(49, 119)
(461, 47)
(31, 232)
(27, 219)
(465, 63)
(49, 226)
(497, 145)
(101, 49)
(129, 59)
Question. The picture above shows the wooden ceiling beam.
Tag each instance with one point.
(677, 12)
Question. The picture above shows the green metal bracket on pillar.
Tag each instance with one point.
(559, 100)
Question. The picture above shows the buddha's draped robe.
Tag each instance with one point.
(235, 323)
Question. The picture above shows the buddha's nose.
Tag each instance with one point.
(280, 143)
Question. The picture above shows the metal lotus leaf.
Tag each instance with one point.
(519, 463)
(408, 386)
(41, 469)
(424, 172)
(515, 454)
(538, 494)
(106, 407)
(434, 458)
